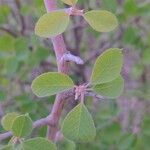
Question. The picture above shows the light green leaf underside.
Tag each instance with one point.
(101, 20)
(111, 89)
(51, 83)
(107, 66)
(52, 24)
(7, 120)
(78, 125)
(70, 2)
(22, 126)
(38, 143)
(7, 147)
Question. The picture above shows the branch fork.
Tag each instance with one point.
(80, 92)
(73, 11)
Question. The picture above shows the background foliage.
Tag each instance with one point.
(123, 123)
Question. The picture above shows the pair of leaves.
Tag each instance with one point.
(33, 144)
(56, 22)
(19, 125)
(99, 20)
(106, 79)
(78, 125)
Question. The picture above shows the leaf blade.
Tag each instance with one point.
(101, 20)
(51, 83)
(111, 89)
(22, 126)
(8, 119)
(107, 66)
(38, 143)
(78, 125)
(52, 24)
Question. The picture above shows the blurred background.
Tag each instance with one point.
(123, 123)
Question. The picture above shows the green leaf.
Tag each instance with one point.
(4, 40)
(111, 89)
(38, 144)
(21, 49)
(130, 7)
(78, 125)
(130, 36)
(70, 2)
(8, 147)
(7, 120)
(22, 126)
(66, 144)
(4, 13)
(101, 20)
(108, 66)
(52, 24)
(51, 83)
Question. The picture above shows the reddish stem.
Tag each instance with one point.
(60, 50)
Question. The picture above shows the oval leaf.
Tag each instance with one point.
(70, 2)
(7, 120)
(78, 125)
(38, 144)
(51, 83)
(111, 89)
(108, 66)
(22, 126)
(101, 20)
(52, 24)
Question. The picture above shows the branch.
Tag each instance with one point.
(63, 66)
(4, 136)
(8, 31)
(22, 21)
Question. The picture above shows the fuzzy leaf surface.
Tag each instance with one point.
(52, 24)
(51, 83)
(107, 66)
(101, 20)
(22, 126)
(111, 89)
(38, 143)
(78, 125)
(7, 120)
